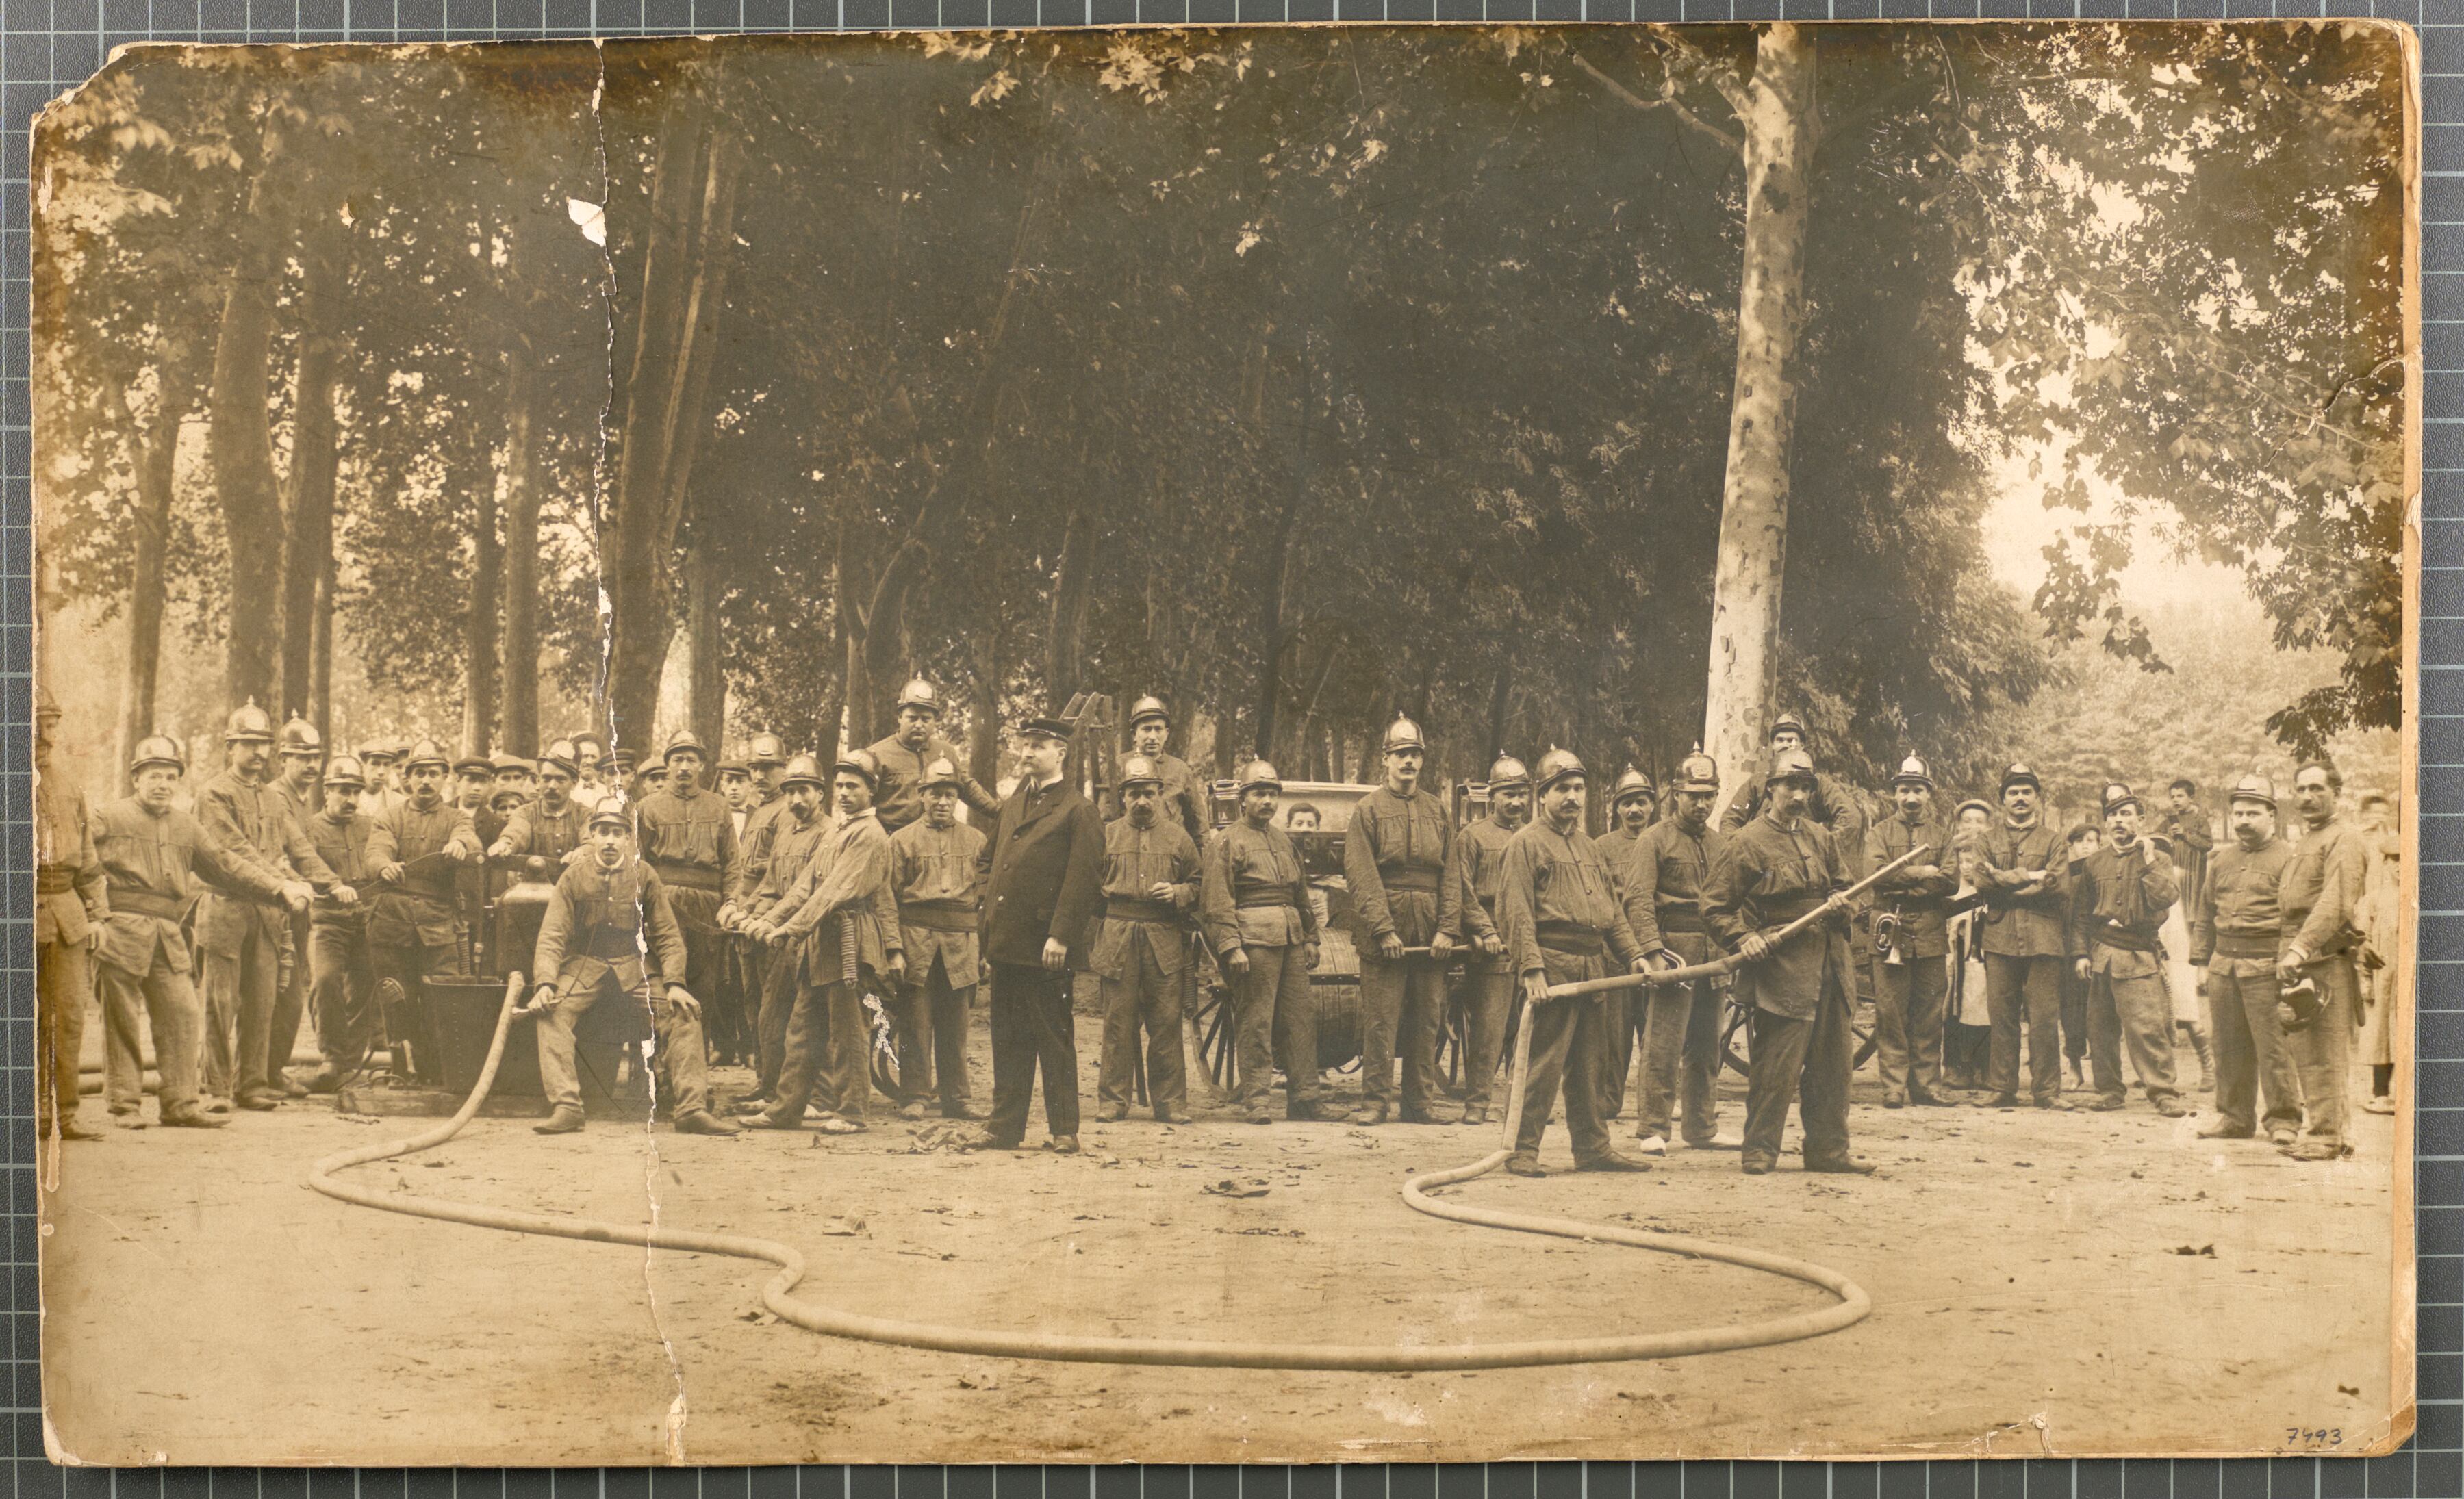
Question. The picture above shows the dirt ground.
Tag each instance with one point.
(2042, 1283)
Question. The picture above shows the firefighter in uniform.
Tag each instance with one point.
(607, 908)
(1395, 857)
(1911, 904)
(2027, 903)
(1775, 869)
(793, 839)
(1563, 923)
(342, 983)
(2117, 913)
(1664, 876)
(300, 751)
(1141, 951)
(416, 848)
(552, 825)
(1254, 907)
(1489, 978)
(688, 836)
(247, 940)
(905, 752)
(154, 856)
(843, 926)
(1634, 802)
(766, 803)
(2321, 887)
(2235, 929)
(934, 872)
(72, 911)
(1182, 795)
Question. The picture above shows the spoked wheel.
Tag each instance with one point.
(1214, 1017)
(1453, 1043)
(884, 1050)
(1734, 1031)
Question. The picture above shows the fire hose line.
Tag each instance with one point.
(777, 1295)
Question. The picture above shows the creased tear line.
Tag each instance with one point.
(679, 1408)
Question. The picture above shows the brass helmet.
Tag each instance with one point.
(862, 763)
(249, 723)
(1791, 765)
(1259, 773)
(1404, 735)
(343, 770)
(1632, 784)
(1788, 723)
(1914, 771)
(1508, 772)
(611, 809)
(1698, 772)
(1139, 770)
(684, 741)
(942, 772)
(299, 736)
(561, 754)
(1556, 764)
(802, 770)
(427, 751)
(766, 750)
(158, 749)
(2253, 786)
(1146, 707)
(920, 693)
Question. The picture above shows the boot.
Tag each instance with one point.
(2198, 1034)
(191, 1118)
(701, 1121)
(565, 1121)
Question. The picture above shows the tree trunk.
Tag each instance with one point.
(707, 699)
(523, 500)
(1073, 590)
(658, 415)
(831, 732)
(479, 625)
(1778, 116)
(157, 470)
(241, 437)
(316, 451)
(984, 723)
(320, 655)
(1501, 708)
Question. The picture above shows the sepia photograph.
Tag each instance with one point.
(1289, 743)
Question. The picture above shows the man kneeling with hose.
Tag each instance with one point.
(591, 947)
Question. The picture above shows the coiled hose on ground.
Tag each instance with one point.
(778, 1293)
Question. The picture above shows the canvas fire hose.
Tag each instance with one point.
(778, 1293)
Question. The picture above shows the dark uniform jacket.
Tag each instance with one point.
(935, 875)
(2021, 920)
(71, 890)
(1253, 893)
(1765, 876)
(1135, 860)
(1833, 806)
(2237, 914)
(153, 865)
(419, 908)
(1183, 795)
(691, 841)
(1478, 872)
(2193, 849)
(594, 928)
(843, 896)
(2121, 900)
(1665, 872)
(1044, 871)
(1394, 861)
(754, 841)
(792, 845)
(1922, 902)
(1557, 897)
(2321, 886)
(534, 830)
(343, 845)
(900, 801)
(254, 822)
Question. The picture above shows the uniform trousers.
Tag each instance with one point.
(828, 1053)
(2253, 1063)
(1621, 1018)
(2322, 1052)
(167, 1001)
(1273, 1012)
(1144, 996)
(2025, 993)
(681, 1055)
(240, 988)
(1032, 1033)
(933, 1037)
(64, 985)
(1680, 1050)
(415, 1053)
(1564, 1052)
(341, 989)
(1488, 1004)
(2128, 1005)
(1403, 1004)
(1805, 1063)
(1908, 1003)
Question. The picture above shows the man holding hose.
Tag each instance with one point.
(1563, 923)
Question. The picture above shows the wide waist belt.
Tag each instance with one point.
(146, 902)
(689, 876)
(1256, 900)
(1679, 918)
(1572, 940)
(1138, 908)
(1420, 880)
(2247, 944)
(2294, 922)
(609, 945)
(2114, 935)
(54, 879)
(940, 916)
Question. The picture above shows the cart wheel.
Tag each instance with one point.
(1866, 1043)
(1453, 1043)
(1733, 1037)
(1215, 1034)
(885, 1076)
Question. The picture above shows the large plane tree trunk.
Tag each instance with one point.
(241, 438)
(316, 451)
(522, 499)
(157, 471)
(1775, 108)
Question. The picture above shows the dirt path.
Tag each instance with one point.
(2029, 1295)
